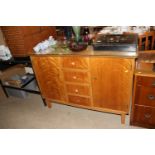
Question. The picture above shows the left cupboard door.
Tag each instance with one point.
(49, 77)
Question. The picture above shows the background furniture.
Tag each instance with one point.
(86, 81)
(146, 41)
(22, 39)
(18, 87)
(23, 87)
(143, 105)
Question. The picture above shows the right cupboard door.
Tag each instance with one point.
(111, 82)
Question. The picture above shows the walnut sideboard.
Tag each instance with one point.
(99, 83)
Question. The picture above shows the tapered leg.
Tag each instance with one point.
(123, 118)
(4, 90)
(44, 101)
(48, 103)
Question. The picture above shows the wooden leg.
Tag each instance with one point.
(4, 90)
(48, 103)
(123, 118)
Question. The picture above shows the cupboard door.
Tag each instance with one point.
(111, 82)
(49, 77)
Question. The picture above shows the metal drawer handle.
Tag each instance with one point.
(153, 84)
(74, 77)
(147, 115)
(151, 97)
(73, 63)
(76, 90)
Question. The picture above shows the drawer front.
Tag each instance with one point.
(80, 77)
(145, 96)
(78, 89)
(144, 115)
(75, 62)
(79, 100)
(146, 81)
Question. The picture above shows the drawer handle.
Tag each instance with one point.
(147, 115)
(73, 63)
(74, 77)
(151, 97)
(76, 90)
(153, 84)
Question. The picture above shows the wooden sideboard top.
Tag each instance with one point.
(145, 73)
(89, 52)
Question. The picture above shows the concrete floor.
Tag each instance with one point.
(31, 113)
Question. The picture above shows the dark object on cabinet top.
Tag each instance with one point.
(116, 42)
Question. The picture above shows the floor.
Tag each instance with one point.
(17, 113)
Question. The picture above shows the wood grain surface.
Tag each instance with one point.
(78, 89)
(143, 102)
(49, 78)
(75, 62)
(22, 39)
(79, 100)
(112, 82)
(76, 76)
(97, 83)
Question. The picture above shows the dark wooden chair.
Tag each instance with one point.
(146, 41)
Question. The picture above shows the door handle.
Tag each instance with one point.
(151, 97)
(153, 84)
(147, 115)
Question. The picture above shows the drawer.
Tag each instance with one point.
(144, 115)
(75, 62)
(78, 89)
(74, 76)
(145, 96)
(79, 100)
(146, 81)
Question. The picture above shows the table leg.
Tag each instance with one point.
(122, 118)
(4, 90)
(48, 103)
